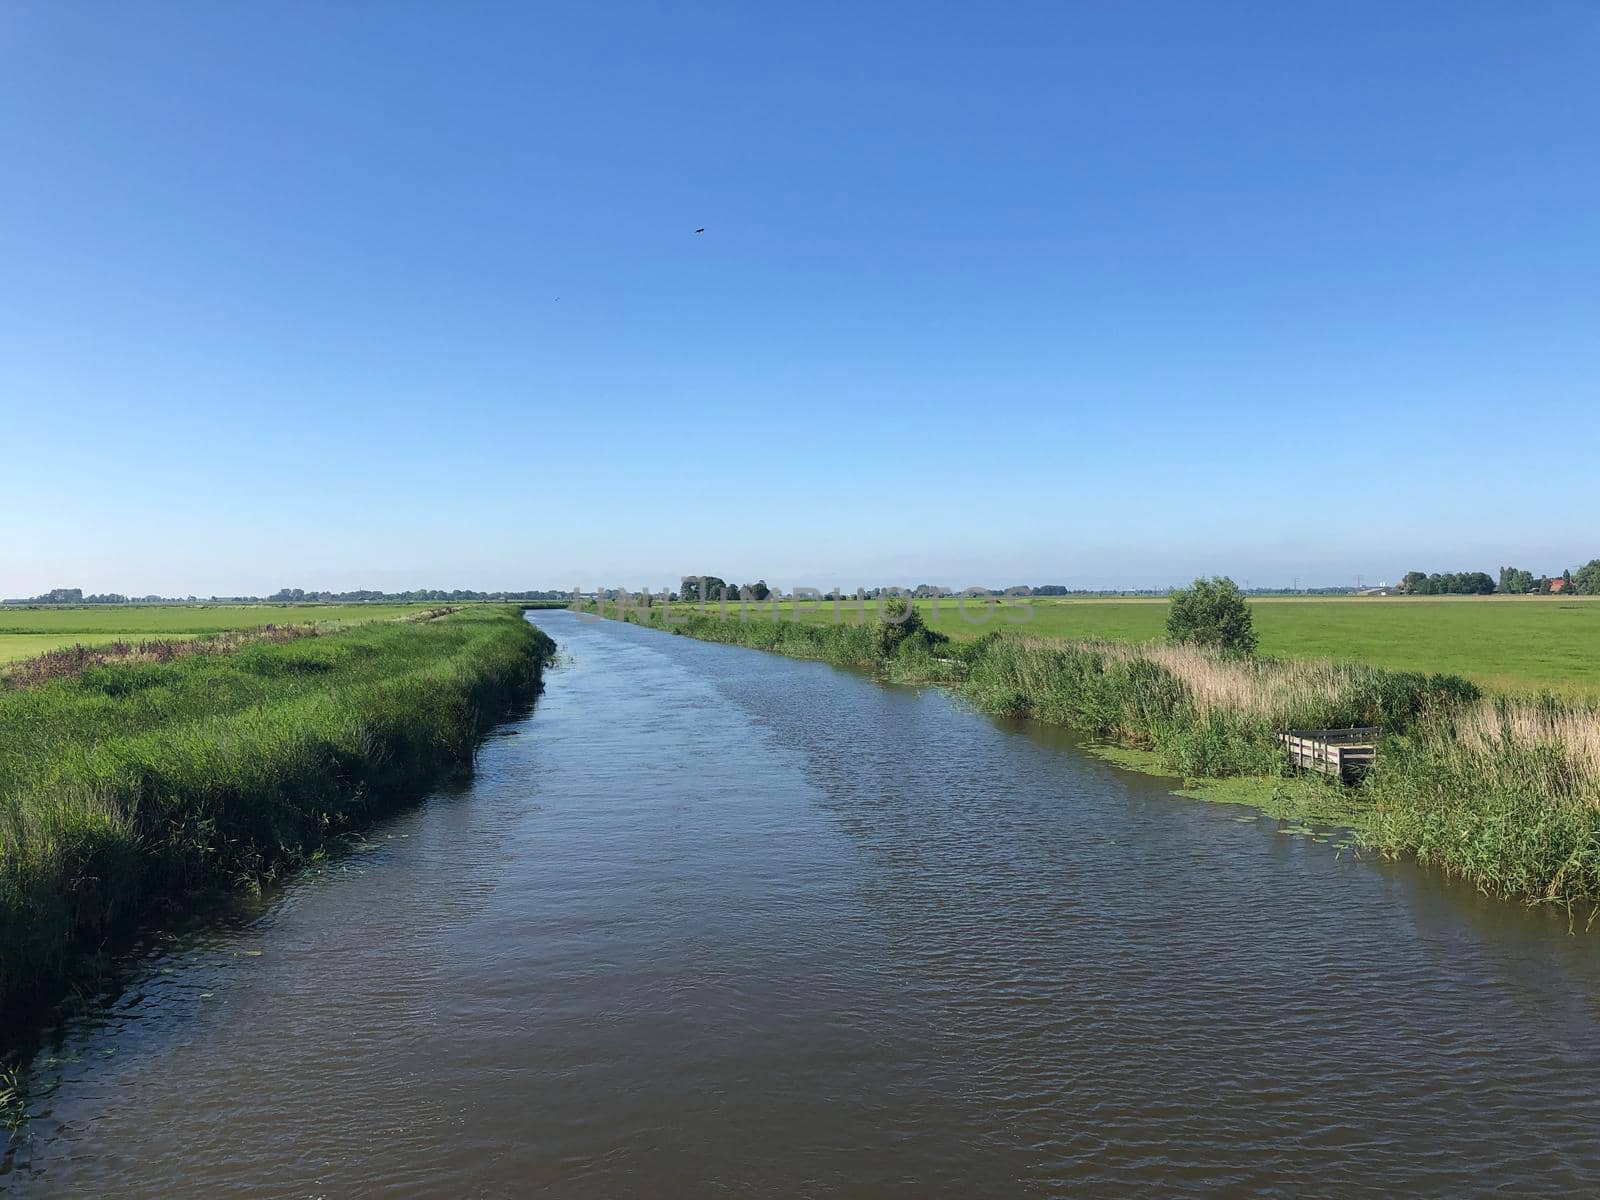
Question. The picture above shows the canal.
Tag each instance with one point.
(713, 922)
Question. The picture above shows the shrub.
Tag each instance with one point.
(901, 625)
(1214, 613)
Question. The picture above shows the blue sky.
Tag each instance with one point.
(1105, 294)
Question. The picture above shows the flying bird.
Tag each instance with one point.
(699, 230)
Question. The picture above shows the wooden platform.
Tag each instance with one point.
(1343, 753)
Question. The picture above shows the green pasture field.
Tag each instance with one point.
(25, 632)
(14, 647)
(1515, 644)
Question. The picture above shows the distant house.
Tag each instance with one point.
(1557, 585)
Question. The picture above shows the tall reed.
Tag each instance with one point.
(1204, 713)
(1505, 793)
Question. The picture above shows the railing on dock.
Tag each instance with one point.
(1345, 754)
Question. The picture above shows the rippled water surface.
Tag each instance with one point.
(712, 922)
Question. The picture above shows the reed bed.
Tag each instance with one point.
(1504, 792)
(1570, 733)
(1204, 713)
(134, 782)
(1270, 690)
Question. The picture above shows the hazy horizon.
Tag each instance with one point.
(823, 583)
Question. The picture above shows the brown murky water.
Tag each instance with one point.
(711, 922)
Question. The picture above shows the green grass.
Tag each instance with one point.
(25, 632)
(165, 619)
(1514, 645)
(14, 647)
(139, 782)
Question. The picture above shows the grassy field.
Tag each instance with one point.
(136, 783)
(25, 632)
(1513, 645)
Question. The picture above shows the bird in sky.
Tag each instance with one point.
(699, 230)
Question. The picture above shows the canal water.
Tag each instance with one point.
(713, 922)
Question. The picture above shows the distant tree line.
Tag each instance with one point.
(698, 589)
(72, 596)
(714, 588)
(1451, 583)
(292, 595)
(1055, 589)
(1513, 581)
(288, 596)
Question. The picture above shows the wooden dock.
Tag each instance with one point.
(1345, 754)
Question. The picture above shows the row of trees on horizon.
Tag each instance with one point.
(1585, 581)
(1514, 581)
(288, 596)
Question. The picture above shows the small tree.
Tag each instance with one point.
(1586, 577)
(703, 589)
(1516, 582)
(1212, 612)
(1415, 583)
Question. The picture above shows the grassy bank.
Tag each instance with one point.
(1521, 644)
(139, 782)
(1503, 792)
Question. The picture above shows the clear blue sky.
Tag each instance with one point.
(362, 294)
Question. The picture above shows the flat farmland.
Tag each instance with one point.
(25, 631)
